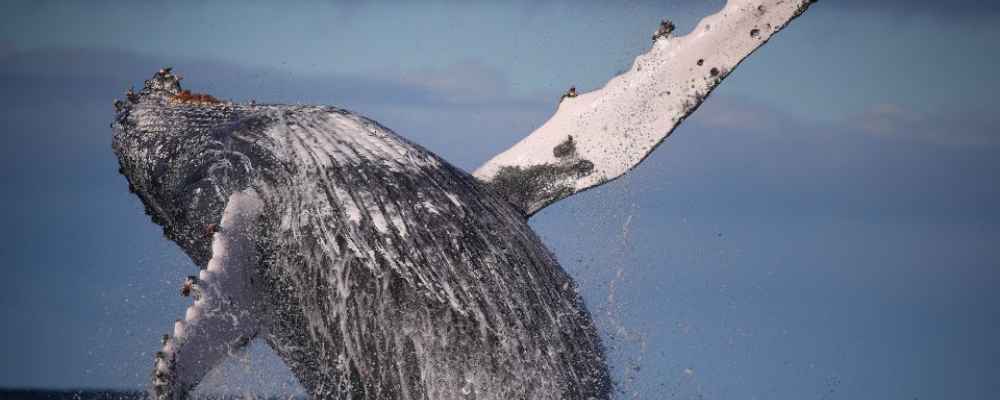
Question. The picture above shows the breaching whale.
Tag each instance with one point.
(377, 270)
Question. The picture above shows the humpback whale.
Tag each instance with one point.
(376, 269)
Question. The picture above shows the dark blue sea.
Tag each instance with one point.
(90, 394)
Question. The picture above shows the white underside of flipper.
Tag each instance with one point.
(615, 127)
(222, 319)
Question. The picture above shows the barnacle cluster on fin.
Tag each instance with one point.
(664, 30)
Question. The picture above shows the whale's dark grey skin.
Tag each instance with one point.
(373, 268)
(382, 272)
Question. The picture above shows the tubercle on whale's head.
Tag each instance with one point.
(177, 157)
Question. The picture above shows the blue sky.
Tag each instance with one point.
(824, 227)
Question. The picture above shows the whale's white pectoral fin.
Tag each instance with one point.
(222, 319)
(598, 136)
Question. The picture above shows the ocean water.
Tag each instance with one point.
(34, 394)
(91, 394)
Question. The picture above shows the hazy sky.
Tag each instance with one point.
(825, 227)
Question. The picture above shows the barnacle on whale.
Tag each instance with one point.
(185, 96)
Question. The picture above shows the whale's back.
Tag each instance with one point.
(393, 274)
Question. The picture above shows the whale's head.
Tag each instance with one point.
(178, 153)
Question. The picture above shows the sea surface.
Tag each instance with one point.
(90, 394)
